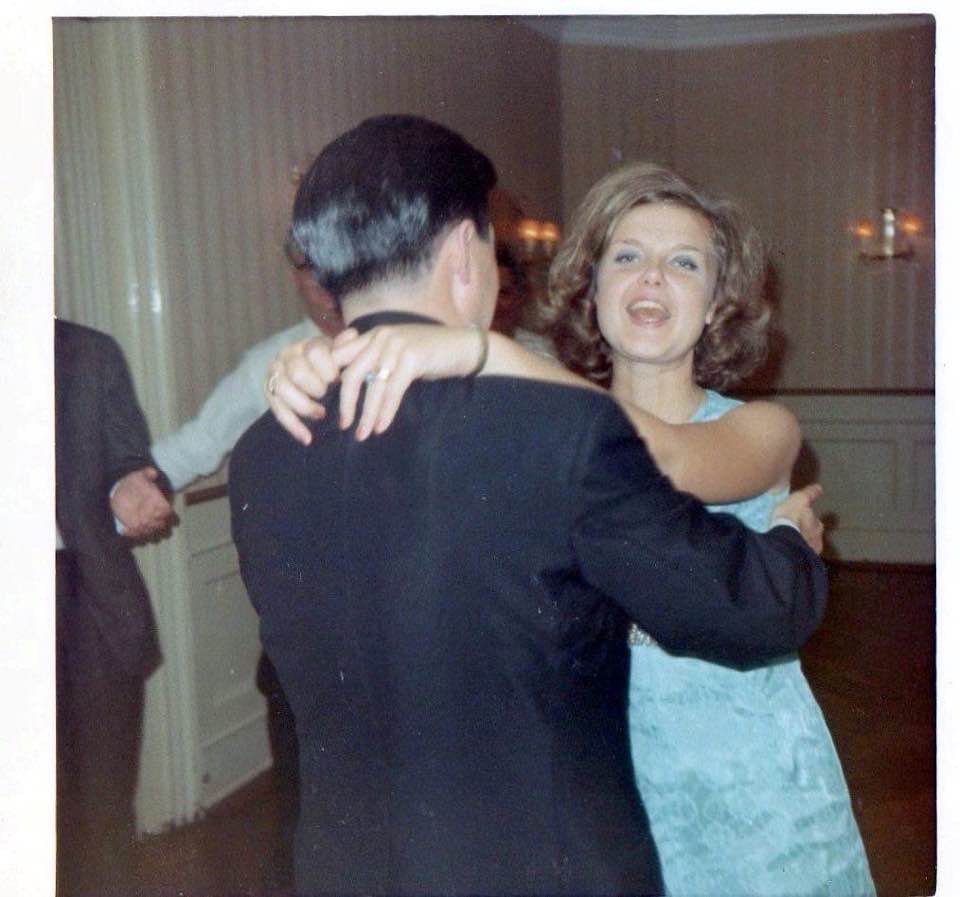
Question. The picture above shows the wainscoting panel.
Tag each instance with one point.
(227, 763)
(874, 456)
(231, 712)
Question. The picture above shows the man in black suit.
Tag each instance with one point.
(447, 605)
(106, 635)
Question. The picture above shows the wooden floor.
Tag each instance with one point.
(871, 666)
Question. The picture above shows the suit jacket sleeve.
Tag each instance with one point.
(697, 582)
(126, 435)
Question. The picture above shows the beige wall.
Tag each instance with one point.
(809, 135)
(227, 110)
(241, 103)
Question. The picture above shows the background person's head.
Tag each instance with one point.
(732, 344)
(375, 201)
(320, 305)
(512, 295)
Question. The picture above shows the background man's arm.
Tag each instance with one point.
(199, 447)
(138, 499)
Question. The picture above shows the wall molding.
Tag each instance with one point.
(666, 32)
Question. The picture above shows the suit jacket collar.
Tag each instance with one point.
(368, 322)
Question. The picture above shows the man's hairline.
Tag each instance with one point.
(424, 266)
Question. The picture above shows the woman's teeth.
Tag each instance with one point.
(647, 312)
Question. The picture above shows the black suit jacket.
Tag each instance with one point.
(101, 435)
(447, 605)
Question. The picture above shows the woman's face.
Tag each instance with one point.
(655, 284)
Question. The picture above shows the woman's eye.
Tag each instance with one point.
(625, 255)
(686, 262)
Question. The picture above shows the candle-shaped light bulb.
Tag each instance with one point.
(549, 236)
(889, 235)
(528, 230)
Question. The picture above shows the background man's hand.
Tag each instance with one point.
(139, 505)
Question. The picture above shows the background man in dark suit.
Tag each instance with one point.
(106, 636)
(447, 606)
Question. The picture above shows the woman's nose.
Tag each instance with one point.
(652, 273)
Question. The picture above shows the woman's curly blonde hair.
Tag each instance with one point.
(734, 343)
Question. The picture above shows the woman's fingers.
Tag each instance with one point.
(378, 365)
(289, 421)
(393, 394)
(382, 363)
(361, 359)
(382, 385)
(290, 384)
(345, 352)
(318, 369)
(346, 335)
(299, 374)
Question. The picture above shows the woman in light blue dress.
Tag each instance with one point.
(656, 293)
(737, 770)
(659, 287)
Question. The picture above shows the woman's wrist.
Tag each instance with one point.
(484, 340)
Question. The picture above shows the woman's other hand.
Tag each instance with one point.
(798, 508)
(298, 377)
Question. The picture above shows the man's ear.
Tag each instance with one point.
(459, 244)
(459, 267)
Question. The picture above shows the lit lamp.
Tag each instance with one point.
(892, 239)
(538, 239)
(549, 237)
(528, 232)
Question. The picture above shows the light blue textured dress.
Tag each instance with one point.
(737, 769)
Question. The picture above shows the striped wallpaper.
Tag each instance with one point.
(809, 135)
(226, 111)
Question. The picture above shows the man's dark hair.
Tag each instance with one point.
(375, 199)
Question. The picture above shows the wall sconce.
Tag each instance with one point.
(890, 238)
(537, 239)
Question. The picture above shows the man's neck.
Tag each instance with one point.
(376, 301)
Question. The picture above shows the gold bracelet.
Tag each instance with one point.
(484, 350)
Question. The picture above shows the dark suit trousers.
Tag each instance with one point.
(99, 718)
(282, 732)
